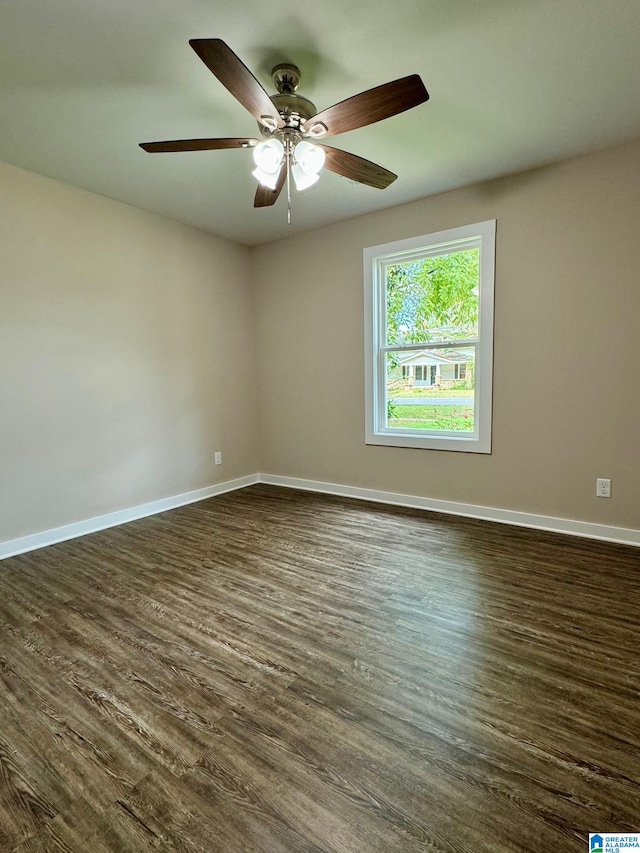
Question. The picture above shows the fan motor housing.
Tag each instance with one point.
(295, 109)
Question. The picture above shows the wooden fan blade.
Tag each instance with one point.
(197, 144)
(357, 168)
(236, 77)
(266, 197)
(376, 104)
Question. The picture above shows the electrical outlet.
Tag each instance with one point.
(218, 458)
(603, 488)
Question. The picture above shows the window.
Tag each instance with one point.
(461, 371)
(429, 340)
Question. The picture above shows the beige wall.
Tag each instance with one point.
(567, 346)
(126, 356)
(127, 351)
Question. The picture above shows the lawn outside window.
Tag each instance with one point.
(429, 340)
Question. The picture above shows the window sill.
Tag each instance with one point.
(460, 443)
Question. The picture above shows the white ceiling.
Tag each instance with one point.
(513, 84)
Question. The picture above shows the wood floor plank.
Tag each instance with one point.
(283, 672)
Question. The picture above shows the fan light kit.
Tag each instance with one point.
(290, 125)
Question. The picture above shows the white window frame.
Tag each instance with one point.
(481, 235)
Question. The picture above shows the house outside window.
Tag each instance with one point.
(429, 340)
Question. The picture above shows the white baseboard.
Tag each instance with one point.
(623, 535)
(13, 547)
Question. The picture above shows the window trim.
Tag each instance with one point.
(375, 258)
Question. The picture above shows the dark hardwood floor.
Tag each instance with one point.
(273, 671)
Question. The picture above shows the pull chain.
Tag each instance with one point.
(288, 182)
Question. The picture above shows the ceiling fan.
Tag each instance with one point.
(290, 126)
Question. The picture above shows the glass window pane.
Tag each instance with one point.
(431, 389)
(433, 299)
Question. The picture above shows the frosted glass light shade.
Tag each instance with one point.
(301, 179)
(267, 179)
(309, 157)
(268, 155)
